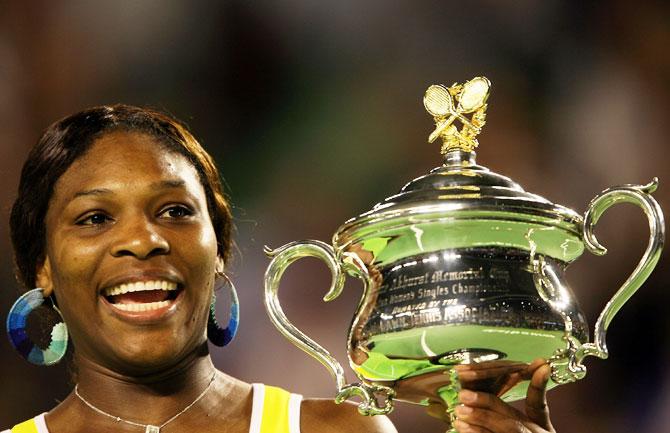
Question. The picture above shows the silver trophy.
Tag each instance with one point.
(462, 268)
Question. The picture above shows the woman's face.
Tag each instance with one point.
(131, 254)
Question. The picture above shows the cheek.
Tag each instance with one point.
(207, 261)
(76, 261)
(200, 257)
(204, 264)
(73, 271)
(204, 250)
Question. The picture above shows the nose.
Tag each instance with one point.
(140, 239)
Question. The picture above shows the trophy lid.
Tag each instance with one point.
(460, 189)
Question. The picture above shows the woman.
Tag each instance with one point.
(122, 224)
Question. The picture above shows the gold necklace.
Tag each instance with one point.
(148, 428)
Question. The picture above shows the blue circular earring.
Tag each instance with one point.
(18, 336)
(217, 335)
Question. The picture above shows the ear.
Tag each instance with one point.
(218, 270)
(220, 265)
(43, 277)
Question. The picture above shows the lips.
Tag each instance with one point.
(142, 296)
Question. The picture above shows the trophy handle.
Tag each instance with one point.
(283, 257)
(639, 195)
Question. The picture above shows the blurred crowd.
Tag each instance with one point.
(313, 111)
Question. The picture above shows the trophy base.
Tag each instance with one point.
(498, 370)
(505, 379)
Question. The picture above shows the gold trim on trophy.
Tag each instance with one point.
(470, 97)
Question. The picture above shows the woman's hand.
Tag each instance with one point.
(481, 412)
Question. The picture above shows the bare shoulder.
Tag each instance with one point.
(324, 416)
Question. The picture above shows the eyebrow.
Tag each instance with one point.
(96, 191)
(163, 184)
(168, 184)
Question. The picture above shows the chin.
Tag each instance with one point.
(142, 358)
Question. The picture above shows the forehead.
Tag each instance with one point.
(122, 159)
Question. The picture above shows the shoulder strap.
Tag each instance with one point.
(41, 423)
(274, 410)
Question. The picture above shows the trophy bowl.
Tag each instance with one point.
(463, 271)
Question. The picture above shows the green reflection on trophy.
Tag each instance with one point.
(462, 269)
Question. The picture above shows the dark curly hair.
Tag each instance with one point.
(67, 140)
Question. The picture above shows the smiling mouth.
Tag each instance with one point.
(142, 295)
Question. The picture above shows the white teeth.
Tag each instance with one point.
(140, 286)
(141, 307)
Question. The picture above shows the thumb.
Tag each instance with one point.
(536, 399)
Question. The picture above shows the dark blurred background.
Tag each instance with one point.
(313, 111)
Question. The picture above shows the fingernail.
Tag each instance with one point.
(467, 396)
(463, 410)
(466, 375)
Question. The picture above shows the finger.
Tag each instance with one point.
(536, 398)
(489, 364)
(475, 372)
(488, 420)
(512, 380)
(532, 368)
(489, 402)
(464, 427)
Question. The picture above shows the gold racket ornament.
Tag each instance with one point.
(471, 99)
(463, 271)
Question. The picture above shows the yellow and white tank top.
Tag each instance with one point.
(273, 411)
(35, 425)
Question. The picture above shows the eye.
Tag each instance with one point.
(93, 219)
(176, 212)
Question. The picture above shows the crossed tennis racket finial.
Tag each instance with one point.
(470, 97)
